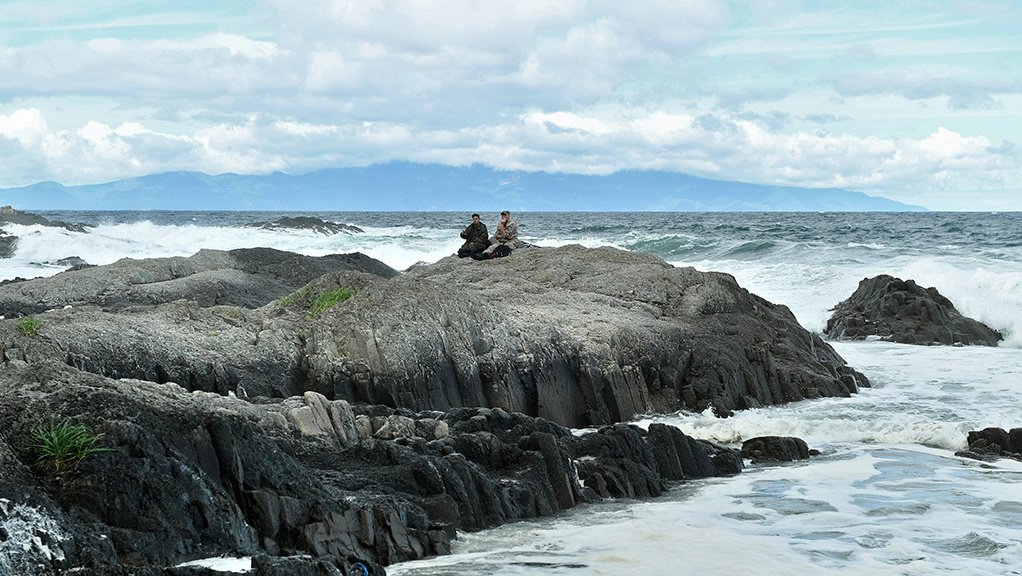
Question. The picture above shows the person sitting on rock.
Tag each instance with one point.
(506, 237)
(476, 238)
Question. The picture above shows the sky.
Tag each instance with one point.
(915, 101)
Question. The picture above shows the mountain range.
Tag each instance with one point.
(426, 187)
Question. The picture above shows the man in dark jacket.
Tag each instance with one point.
(477, 238)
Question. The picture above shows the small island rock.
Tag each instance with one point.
(902, 311)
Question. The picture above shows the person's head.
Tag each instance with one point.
(505, 215)
(475, 217)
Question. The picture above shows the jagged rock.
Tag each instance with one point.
(479, 363)
(74, 263)
(307, 223)
(190, 475)
(994, 443)
(247, 277)
(581, 337)
(264, 565)
(578, 336)
(775, 449)
(901, 311)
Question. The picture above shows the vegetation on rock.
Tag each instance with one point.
(62, 444)
(29, 325)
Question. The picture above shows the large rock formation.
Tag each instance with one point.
(579, 336)
(902, 311)
(427, 402)
(192, 475)
(246, 277)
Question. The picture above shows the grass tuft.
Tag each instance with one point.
(62, 444)
(30, 325)
(328, 299)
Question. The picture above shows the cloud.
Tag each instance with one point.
(709, 145)
(913, 85)
(775, 92)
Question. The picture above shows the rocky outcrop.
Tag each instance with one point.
(9, 215)
(575, 335)
(247, 278)
(316, 225)
(193, 475)
(368, 414)
(994, 443)
(902, 311)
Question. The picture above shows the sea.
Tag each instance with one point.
(886, 496)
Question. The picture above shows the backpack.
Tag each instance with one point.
(501, 251)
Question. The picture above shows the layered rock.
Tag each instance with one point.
(192, 475)
(427, 402)
(246, 277)
(575, 335)
(578, 336)
(902, 311)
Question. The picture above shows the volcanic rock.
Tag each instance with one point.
(193, 475)
(575, 335)
(994, 443)
(902, 311)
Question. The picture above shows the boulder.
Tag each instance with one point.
(902, 311)
(775, 449)
(8, 244)
(994, 443)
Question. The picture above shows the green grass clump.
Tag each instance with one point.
(294, 297)
(328, 299)
(29, 325)
(62, 444)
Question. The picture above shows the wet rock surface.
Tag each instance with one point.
(902, 311)
(994, 443)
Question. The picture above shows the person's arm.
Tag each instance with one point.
(511, 231)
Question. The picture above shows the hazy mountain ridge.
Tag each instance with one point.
(410, 186)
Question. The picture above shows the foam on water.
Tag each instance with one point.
(40, 246)
(887, 496)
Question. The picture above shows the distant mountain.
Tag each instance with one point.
(425, 187)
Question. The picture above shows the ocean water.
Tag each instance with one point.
(887, 495)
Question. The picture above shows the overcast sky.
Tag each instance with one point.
(916, 101)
